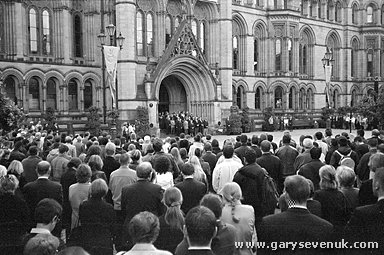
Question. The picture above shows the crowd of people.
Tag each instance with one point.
(83, 194)
(182, 122)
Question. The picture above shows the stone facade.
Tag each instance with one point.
(200, 56)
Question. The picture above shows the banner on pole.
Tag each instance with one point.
(111, 55)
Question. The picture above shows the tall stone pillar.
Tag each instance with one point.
(126, 69)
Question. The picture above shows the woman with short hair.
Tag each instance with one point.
(346, 177)
(96, 164)
(79, 191)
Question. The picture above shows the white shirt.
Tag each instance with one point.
(224, 173)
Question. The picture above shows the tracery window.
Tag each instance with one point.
(33, 37)
(278, 55)
(72, 95)
(144, 34)
(51, 94)
(78, 36)
(88, 94)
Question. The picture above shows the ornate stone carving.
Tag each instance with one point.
(278, 31)
(145, 5)
(200, 12)
(174, 8)
(371, 43)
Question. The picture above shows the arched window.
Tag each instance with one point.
(168, 30)
(278, 55)
(370, 63)
(2, 38)
(46, 33)
(309, 99)
(240, 97)
(303, 58)
(88, 94)
(78, 36)
(150, 34)
(338, 12)
(51, 94)
(292, 94)
(255, 54)
(72, 95)
(354, 59)
(335, 99)
(370, 14)
(329, 9)
(34, 94)
(33, 36)
(301, 98)
(279, 97)
(258, 98)
(235, 52)
(139, 33)
(354, 14)
(202, 34)
(354, 99)
(290, 60)
(10, 89)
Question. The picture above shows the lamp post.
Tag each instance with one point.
(327, 65)
(119, 40)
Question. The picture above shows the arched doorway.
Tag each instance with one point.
(172, 95)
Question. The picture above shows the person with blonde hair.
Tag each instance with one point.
(136, 159)
(172, 222)
(346, 178)
(199, 174)
(176, 156)
(16, 168)
(242, 217)
(333, 201)
(42, 244)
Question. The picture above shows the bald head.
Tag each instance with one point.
(43, 168)
(144, 170)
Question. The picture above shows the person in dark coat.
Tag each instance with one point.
(287, 154)
(191, 189)
(110, 163)
(250, 179)
(42, 187)
(344, 150)
(304, 157)
(367, 222)
(311, 169)
(296, 224)
(142, 195)
(30, 163)
(271, 163)
(240, 151)
(362, 169)
(209, 156)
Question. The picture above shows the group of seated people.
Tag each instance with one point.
(97, 195)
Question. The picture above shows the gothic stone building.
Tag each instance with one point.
(200, 56)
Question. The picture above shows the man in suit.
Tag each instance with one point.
(287, 154)
(191, 189)
(367, 222)
(250, 179)
(42, 187)
(240, 151)
(209, 156)
(30, 163)
(200, 228)
(304, 157)
(271, 163)
(311, 169)
(296, 224)
(142, 195)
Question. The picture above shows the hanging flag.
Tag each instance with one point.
(328, 74)
(111, 55)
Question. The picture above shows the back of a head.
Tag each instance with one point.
(197, 138)
(43, 167)
(327, 175)
(250, 156)
(8, 184)
(297, 187)
(208, 137)
(328, 132)
(286, 139)
(214, 203)
(187, 169)
(110, 149)
(157, 144)
(42, 244)
(376, 161)
(215, 143)
(124, 159)
(46, 210)
(201, 225)
(68, 139)
(228, 151)
(315, 152)
(183, 153)
(74, 162)
(136, 155)
(307, 143)
(99, 188)
(343, 141)
(73, 250)
(345, 176)
(378, 180)
(207, 147)
(231, 192)
(32, 151)
(319, 135)
(243, 139)
(270, 137)
(334, 142)
(255, 139)
(162, 164)
(265, 146)
(360, 132)
(198, 152)
(144, 170)
(144, 227)
(372, 143)
(83, 173)
(63, 148)
(358, 139)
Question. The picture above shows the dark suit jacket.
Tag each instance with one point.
(110, 165)
(193, 191)
(240, 152)
(366, 196)
(297, 225)
(211, 159)
(139, 197)
(311, 171)
(274, 168)
(367, 224)
(67, 179)
(40, 189)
